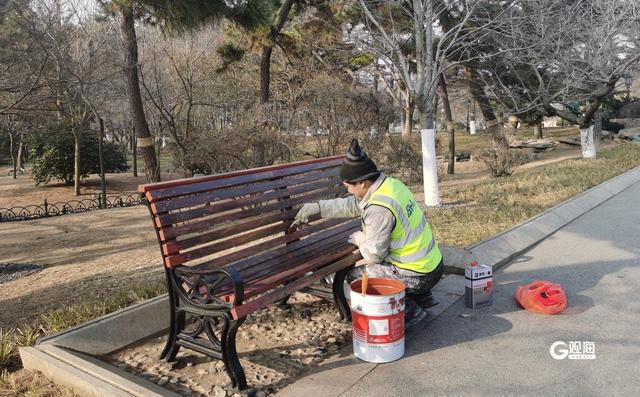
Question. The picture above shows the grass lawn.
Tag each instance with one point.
(490, 207)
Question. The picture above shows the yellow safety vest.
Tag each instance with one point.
(412, 246)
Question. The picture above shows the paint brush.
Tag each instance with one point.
(365, 281)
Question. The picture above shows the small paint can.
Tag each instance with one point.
(478, 288)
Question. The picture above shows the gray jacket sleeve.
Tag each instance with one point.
(378, 225)
(346, 207)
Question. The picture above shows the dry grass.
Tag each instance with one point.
(25, 383)
(496, 205)
(58, 320)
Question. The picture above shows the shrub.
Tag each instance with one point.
(612, 126)
(53, 152)
(400, 156)
(499, 158)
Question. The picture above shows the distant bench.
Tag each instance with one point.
(228, 250)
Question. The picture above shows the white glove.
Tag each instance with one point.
(308, 210)
(356, 238)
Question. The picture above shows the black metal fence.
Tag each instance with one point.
(61, 208)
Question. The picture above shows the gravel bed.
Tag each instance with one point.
(13, 271)
(275, 346)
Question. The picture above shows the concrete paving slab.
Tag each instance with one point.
(493, 252)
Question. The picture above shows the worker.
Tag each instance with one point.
(396, 240)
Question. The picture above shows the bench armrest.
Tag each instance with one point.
(216, 289)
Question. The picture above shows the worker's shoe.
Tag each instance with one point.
(413, 314)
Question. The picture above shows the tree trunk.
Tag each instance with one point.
(103, 181)
(145, 141)
(134, 152)
(587, 143)
(265, 74)
(537, 130)
(429, 160)
(21, 154)
(407, 127)
(13, 155)
(448, 118)
(597, 127)
(76, 161)
(477, 92)
(158, 148)
(265, 62)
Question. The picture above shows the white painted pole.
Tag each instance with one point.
(472, 127)
(587, 143)
(430, 168)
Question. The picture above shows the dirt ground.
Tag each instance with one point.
(275, 346)
(86, 256)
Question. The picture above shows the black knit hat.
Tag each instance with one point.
(357, 166)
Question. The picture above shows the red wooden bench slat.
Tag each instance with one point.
(239, 260)
(245, 238)
(279, 293)
(297, 259)
(167, 190)
(341, 231)
(207, 224)
(279, 272)
(227, 230)
(232, 201)
(208, 196)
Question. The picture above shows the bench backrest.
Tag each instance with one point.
(217, 220)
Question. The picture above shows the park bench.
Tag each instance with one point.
(228, 250)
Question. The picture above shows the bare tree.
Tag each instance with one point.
(11, 125)
(391, 26)
(583, 49)
(176, 79)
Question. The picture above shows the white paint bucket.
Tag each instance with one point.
(377, 320)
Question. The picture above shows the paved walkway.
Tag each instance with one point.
(504, 350)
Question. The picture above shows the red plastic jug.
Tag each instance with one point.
(542, 297)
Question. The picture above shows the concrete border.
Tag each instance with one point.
(65, 357)
(107, 334)
(500, 249)
(86, 375)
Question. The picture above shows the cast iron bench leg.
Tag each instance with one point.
(176, 324)
(230, 355)
(338, 294)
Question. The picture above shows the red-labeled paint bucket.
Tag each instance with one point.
(378, 320)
